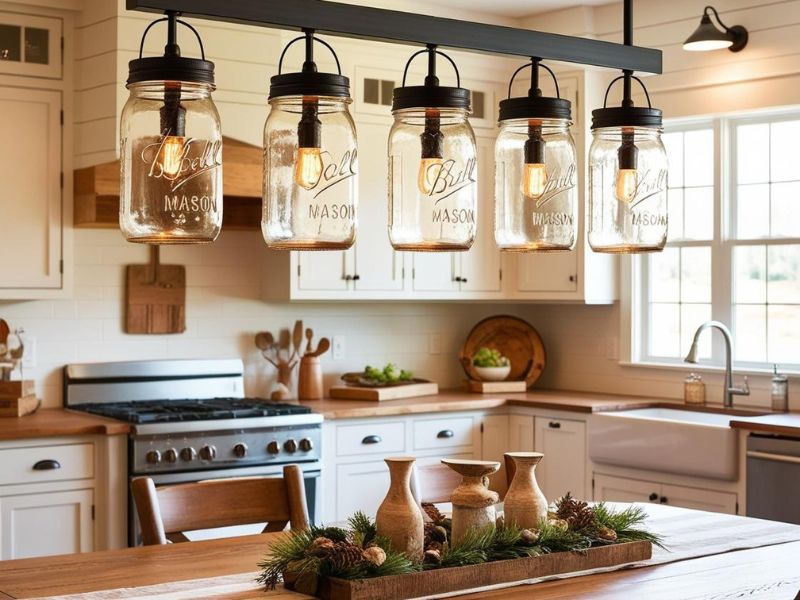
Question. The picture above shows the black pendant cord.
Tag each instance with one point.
(627, 40)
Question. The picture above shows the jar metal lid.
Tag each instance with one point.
(535, 107)
(171, 68)
(430, 96)
(627, 116)
(306, 83)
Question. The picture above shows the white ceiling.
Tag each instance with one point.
(516, 8)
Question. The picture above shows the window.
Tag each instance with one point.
(733, 251)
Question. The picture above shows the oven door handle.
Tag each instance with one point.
(794, 460)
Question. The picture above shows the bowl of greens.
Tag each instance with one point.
(490, 365)
(388, 376)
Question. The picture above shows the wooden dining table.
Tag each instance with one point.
(771, 571)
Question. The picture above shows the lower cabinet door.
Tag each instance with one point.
(46, 523)
(563, 468)
(360, 486)
(698, 498)
(621, 489)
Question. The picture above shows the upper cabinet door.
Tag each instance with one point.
(378, 267)
(30, 194)
(328, 271)
(480, 265)
(30, 45)
(434, 271)
(552, 272)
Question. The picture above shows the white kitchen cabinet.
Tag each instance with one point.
(551, 272)
(494, 444)
(31, 193)
(359, 486)
(623, 489)
(324, 271)
(46, 523)
(563, 468)
(520, 433)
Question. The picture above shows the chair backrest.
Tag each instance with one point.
(434, 483)
(166, 512)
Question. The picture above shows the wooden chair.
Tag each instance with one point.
(166, 512)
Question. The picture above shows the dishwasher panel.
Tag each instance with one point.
(773, 478)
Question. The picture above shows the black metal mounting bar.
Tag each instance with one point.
(366, 22)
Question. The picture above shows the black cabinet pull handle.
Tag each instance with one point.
(554, 425)
(445, 433)
(372, 439)
(47, 465)
(653, 497)
(356, 277)
(457, 279)
(663, 500)
(463, 280)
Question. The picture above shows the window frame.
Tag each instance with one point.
(635, 300)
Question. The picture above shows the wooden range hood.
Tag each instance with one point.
(97, 190)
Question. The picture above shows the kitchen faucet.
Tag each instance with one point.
(729, 391)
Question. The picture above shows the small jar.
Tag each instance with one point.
(310, 166)
(779, 391)
(627, 190)
(694, 390)
(170, 151)
(536, 203)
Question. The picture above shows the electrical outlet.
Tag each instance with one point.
(435, 343)
(612, 348)
(29, 354)
(338, 344)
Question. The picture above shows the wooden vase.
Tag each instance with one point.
(473, 501)
(399, 517)
(525, 505)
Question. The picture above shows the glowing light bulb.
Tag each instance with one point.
(171, 154)
(534, 180)
(428, 173)
(627, 181)
(308, 167)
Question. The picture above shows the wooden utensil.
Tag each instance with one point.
(309, 335)
(5, 330)
(515, 339)
(156, 297)
(323, 346)
(297, 338)
(264, 340)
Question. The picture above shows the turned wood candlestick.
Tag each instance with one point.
(473, 501)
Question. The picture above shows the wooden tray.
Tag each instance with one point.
(496, 387)
(440, 581)
(11, 390)
(18, 407)
(516, 339)
(378, 394)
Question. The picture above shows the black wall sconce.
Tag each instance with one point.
(708, 37)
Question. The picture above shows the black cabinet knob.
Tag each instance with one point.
(445, 433)
(356, 277)
(47, 465)
(663, 500)
(372, 439)
(348, 277)
(463, 280)
(554, 425)
(653, 497)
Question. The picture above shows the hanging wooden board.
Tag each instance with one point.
(515, 339)
(156, 297)
(442, 581)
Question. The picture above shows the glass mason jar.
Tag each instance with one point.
(310, 166)
(171, 163)
(433, 175)
(627, 190)
(536, 194)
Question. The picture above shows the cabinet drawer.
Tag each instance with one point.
(46, 463)
(443, 433)
(370, 438)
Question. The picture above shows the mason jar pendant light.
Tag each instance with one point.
(432, 164)
(171, 147)
(536, 198)
(310, 158)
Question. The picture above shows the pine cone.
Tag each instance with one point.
(432, 557)
(344, 555)
(374, 555)
(438, 546)
(529, 537)
(578, 514)
(322, 546)
(433, 513)
(606, 533)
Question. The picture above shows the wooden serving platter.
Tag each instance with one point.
(496, 387)
(440, 581)
(378, 394)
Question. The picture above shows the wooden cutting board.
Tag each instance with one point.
(378, 394)
(156, 297)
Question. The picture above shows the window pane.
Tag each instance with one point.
(750, 333)
(673, 142)
(698, 221)
(695, 274)
(784, 328)
(750, 274)
(664, 330)
(664, 272)
(675, 214)
(37, 45)
(783, 150)
(699, 157)
(783, 285)
(10, 42)
(692, 316)
(752, 211)
(785, 208)
(752, 153)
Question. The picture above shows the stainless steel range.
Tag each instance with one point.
(190, 421)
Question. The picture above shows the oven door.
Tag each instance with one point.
(311, 477)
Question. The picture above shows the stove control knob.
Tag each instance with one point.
(153, 457)
(208, 452)
(240, 450)
(171, 455)
(306, 445)
(290, 446)
(188, 454)
(273, 447)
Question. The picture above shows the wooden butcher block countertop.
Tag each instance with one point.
(56, 422)
(778, 423)
(458, 400)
